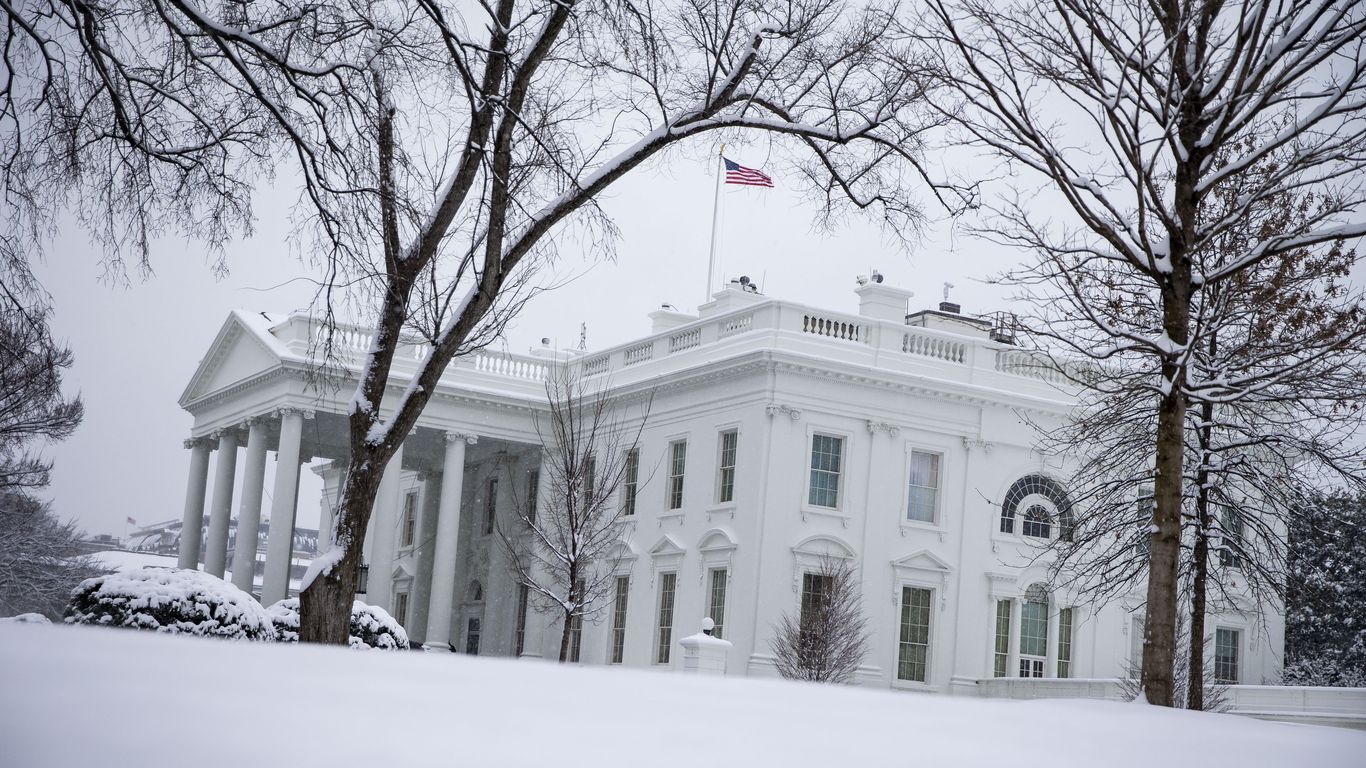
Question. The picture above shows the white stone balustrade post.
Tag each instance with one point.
(249, 506)
(383, 521)
(704, 654)
(216, 549)
(192, 522)
(283, 505)
(447, 544)
(1013, 662)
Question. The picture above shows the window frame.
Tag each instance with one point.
(808, 455)
(621, 606)
(411, 514)
(662, 653)
(931, 626)
(680, 479)
(937, 519)
(490, 506)
(533, 492)
(630, 482)
(519, 625)
(720, 623)
(724, 495)
(1237, 655)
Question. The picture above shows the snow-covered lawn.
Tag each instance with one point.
(84, 696)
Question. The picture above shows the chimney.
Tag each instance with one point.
(879, 301)
(949, 306)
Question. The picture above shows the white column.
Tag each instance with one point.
(383, 521)
(447, 543)
(1013, 662)
(1054, 611)
(249, 507)
(426, 548)
(537, 623)
(280, 542)
(192, 522)
(216, 550)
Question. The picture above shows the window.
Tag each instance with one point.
(914, 646)
(1136, 645)
(1226, 656)
(1036, 522)
(1065, 642)
(576, 626)
(401, 608)
(826, 451)
(1147, 507)
(519, 635)
(678, 457)
(490, 505)
(533, 487)
(1034, 632)
(923, 502)
(590, 478)
(619, 620)
(664, 636)
(476, 591)
(409, 519)
(815, 593)
(1045, 493)
(1230, 554)
(725, 481)
(472, 636)
(630, 482)
(716, 606)
(1002, 650)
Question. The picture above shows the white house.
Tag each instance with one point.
(779, 434)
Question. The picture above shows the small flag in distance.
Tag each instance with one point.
(747, 177)
(131, 521)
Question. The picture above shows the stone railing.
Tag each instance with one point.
(1343, 707)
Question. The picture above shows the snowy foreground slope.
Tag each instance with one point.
(81, 696)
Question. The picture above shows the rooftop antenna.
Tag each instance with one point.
(583, 336)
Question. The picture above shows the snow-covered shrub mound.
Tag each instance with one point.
(371, 626)
(26, 618)
(171, 600)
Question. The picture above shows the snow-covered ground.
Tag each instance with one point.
(85, 696)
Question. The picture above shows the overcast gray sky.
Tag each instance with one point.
(137, 346)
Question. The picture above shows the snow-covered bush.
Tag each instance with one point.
(26, 618)
(371, 626)
(172, 600)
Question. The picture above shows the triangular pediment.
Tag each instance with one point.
(666, 546)
(922, 561)
(237, 354)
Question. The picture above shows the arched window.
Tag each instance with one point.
(1038, 501)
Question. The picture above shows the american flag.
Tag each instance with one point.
(131, 521)
(748, 177)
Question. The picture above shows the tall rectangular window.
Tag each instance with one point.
(678, 457)
(913, 649)
(1230, 553)
(923, 503)
(619, 619)
(665, 628)
(826, 452)
(630, 482)
(472, 636)
(1065, 642)
(725, 480)
(401, 608)
(716, 603)
(533, 487)
(1033, 638)
(1226, 656)
(519, 636)
(815, 593)
(590, 479)
(576, 627)
(409, 519)
(1002, 650)
(1147, 507)
(490, 505)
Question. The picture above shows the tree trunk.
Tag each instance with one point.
(1159, 628)
(564, 637)
(1195, 677)
(325, 607)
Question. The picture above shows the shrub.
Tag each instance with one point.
(169, 600)
(371, 626)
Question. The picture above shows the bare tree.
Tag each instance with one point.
(1131, 114)
(40, 557)
(560, 545)
(828, 638)
(442, 151)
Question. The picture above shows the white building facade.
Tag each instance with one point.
(778, 435)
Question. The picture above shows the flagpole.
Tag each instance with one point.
(715, 216)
